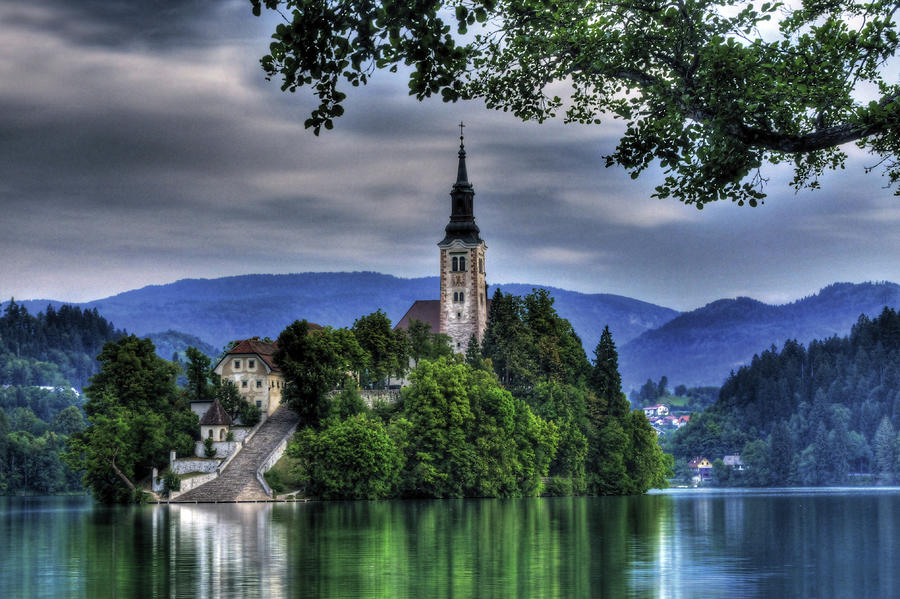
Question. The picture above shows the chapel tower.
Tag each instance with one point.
(463, 310)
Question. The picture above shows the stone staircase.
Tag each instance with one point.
(238, 481)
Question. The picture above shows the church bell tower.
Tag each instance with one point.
(463, 288)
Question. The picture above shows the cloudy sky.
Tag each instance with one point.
(141, 144)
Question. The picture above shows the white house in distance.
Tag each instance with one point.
(657, 410)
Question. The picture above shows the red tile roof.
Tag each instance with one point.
(216, 416)
(264, 349)
(428, 311)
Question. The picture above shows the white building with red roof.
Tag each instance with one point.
(251, 366)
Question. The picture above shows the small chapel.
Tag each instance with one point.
(463, 307)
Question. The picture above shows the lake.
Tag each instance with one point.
(691, 543)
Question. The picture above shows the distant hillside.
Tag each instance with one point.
(701, 347)
(170, 343)
(220, 310)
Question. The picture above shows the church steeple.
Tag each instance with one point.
(463, 311)
(462, 199)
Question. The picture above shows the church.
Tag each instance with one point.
(463, 307)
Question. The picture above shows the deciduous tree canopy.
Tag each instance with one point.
(709, 90)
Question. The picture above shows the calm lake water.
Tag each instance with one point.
(777, 543)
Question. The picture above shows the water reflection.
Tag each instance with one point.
(680, 545)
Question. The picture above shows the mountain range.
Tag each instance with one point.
(699, 347)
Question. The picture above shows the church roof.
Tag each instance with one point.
(216, 416)
(428, 311)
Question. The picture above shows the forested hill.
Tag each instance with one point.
(809, 415)
(701, 347)
(220, 310)
(56, 347)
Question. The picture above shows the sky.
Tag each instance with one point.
(141, 144)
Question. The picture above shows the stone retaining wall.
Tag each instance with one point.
(223, 448)
(188, 465)
(370, 396)
(274, 457)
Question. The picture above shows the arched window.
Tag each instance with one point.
(455, 264)
(462, 296)
(462, 264)
(221, 434)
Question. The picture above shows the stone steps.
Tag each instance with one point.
(238, 481)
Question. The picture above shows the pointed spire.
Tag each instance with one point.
(462, 213)
(462, 177)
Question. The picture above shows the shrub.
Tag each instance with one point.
(171, 482)
(208, 449)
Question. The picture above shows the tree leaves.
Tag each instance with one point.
(703, 92)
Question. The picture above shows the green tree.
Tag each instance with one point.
(425, 344)
(624, 456)
(228, 395)
(701, 89)
(136, 416)
(506, 340)
(351, 459)
(473, 353)
(68, 422)
(757, 461)
(197, 371)
(781, 452)
(469, 437)
(314, 363)
(885, 451)
(386, 350)
(605, 379)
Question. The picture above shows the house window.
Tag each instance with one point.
(258, 403)
(210, 434)
(259, 384)
(237, 364)
(243, 384)
(251, 364)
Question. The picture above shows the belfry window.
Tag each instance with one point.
(455, 264)
(462, 264)
(458, 264)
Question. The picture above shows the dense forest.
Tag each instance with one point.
(45, 359)
(823, 414)
(57, 347)
(522, 413)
